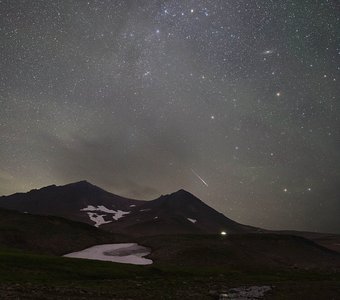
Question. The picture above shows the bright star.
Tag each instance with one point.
(267, 52)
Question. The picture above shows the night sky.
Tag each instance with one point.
(234, 101)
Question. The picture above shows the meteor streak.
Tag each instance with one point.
(199, 177)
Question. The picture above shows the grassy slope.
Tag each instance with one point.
(28, 276)
(250, 251)
(199, 268)
(48, 234)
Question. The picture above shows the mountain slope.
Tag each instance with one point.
(80, 201)
(47, 234)
(179, 212)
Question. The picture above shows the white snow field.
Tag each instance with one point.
(127, 253)
(99, 219)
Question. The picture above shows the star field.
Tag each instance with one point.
(235, 101)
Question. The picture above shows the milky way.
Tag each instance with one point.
(135, 95)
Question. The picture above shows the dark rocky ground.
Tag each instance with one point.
(198, 289)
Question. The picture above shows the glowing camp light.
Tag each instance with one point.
(223, 233)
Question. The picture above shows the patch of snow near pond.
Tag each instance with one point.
(127, 253)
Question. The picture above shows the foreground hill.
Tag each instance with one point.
(328, 240)
(245, 252)
(47, 234)
(177, 213)
(186, 267)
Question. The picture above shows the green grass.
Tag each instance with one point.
(27, 276)
(20, 267)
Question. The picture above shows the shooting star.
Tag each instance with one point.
(199, 177)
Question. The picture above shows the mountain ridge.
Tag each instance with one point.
(174, 213)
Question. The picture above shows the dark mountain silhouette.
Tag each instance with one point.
(65, 201)
(179, 212)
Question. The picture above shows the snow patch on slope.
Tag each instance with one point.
(127, 253)
(119, 214)
(98, 219)
(192, 220)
